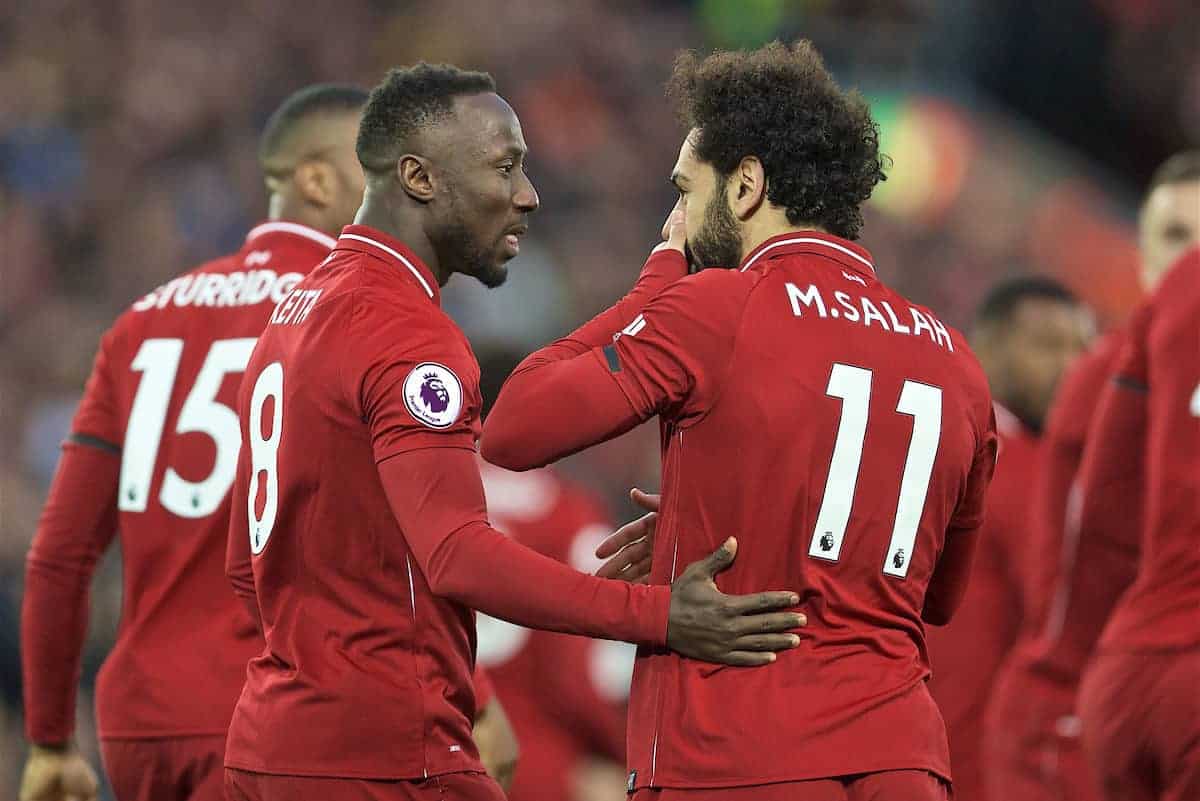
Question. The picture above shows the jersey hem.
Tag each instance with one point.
(144, 734)
(350, 774)
(753, 781)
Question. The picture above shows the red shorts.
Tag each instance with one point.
(165, 769)
(888, 785)
(1141, 725)
(241, 785)
(1032, 745)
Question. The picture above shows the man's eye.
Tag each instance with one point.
(506, 168)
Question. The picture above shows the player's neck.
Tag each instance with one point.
(279, 211)
(771, 225)
(378, 214)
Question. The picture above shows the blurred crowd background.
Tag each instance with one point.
(1021, 133)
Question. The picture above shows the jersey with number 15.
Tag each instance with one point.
(163, 390)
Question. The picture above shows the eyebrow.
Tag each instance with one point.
(513, 151)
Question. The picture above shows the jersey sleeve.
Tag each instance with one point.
(415, 384)
(671, 359)
(437, 498)
(99, 417)
(552, 406)
(238, 565)
(972, 505)
(77, 524)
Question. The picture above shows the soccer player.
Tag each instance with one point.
(1138, 698)
(359, 529)
(844, 430)
(1032, 731)
(1026, 333)
(151, 455)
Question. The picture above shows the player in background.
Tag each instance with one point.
(1032, 731)
(359, 527)
(845, 431)
(1026, 333)
(566, 695)
(151, 455)
(1138, 698)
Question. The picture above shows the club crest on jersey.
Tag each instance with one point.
(433, 395)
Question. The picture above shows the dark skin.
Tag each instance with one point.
(315, 179)
(1026, 355)
(460, 200)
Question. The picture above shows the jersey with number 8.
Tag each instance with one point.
(845, 436)
(162, 391)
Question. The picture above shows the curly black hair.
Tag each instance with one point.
(818, 144)
(408, 100)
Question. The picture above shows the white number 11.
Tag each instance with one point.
(924, 403)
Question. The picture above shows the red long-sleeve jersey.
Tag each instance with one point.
(151, 457)
(845, 436)
(359, 530)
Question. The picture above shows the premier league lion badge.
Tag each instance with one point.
(433, 395)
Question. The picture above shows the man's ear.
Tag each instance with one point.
(416, 178)
(747, 187)
(315, 182)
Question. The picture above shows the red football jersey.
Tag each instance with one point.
(361, 410)
(162, 390)
(365, 672)
(565, 695)
(840, 432)
(966, 654)
(1031, 717)
(1054, 498)
(1161, 610)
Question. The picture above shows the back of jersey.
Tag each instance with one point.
(163, 390)
(838, 431)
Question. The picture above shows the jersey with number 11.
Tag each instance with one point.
(842, 434)
(162, 391)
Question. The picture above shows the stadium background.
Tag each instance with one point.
(1021, 132)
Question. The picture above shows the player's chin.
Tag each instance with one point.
(494, 274)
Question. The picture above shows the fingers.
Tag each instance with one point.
(769, 624)
(674, 218)
(766, 642)
(626, 534)
(762, 602)
(674, 231)
(646, 500)
(719, 559)
(745, 658)
(638, 573)
(620, 565)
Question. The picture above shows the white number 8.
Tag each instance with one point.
(264, 454)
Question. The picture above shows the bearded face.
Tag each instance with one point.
(718, 242)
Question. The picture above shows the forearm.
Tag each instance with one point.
(241, 575)
(948, 584)
(77, 523)
(437, 497)
(238, 567)
(553, 409)
(536, 591)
